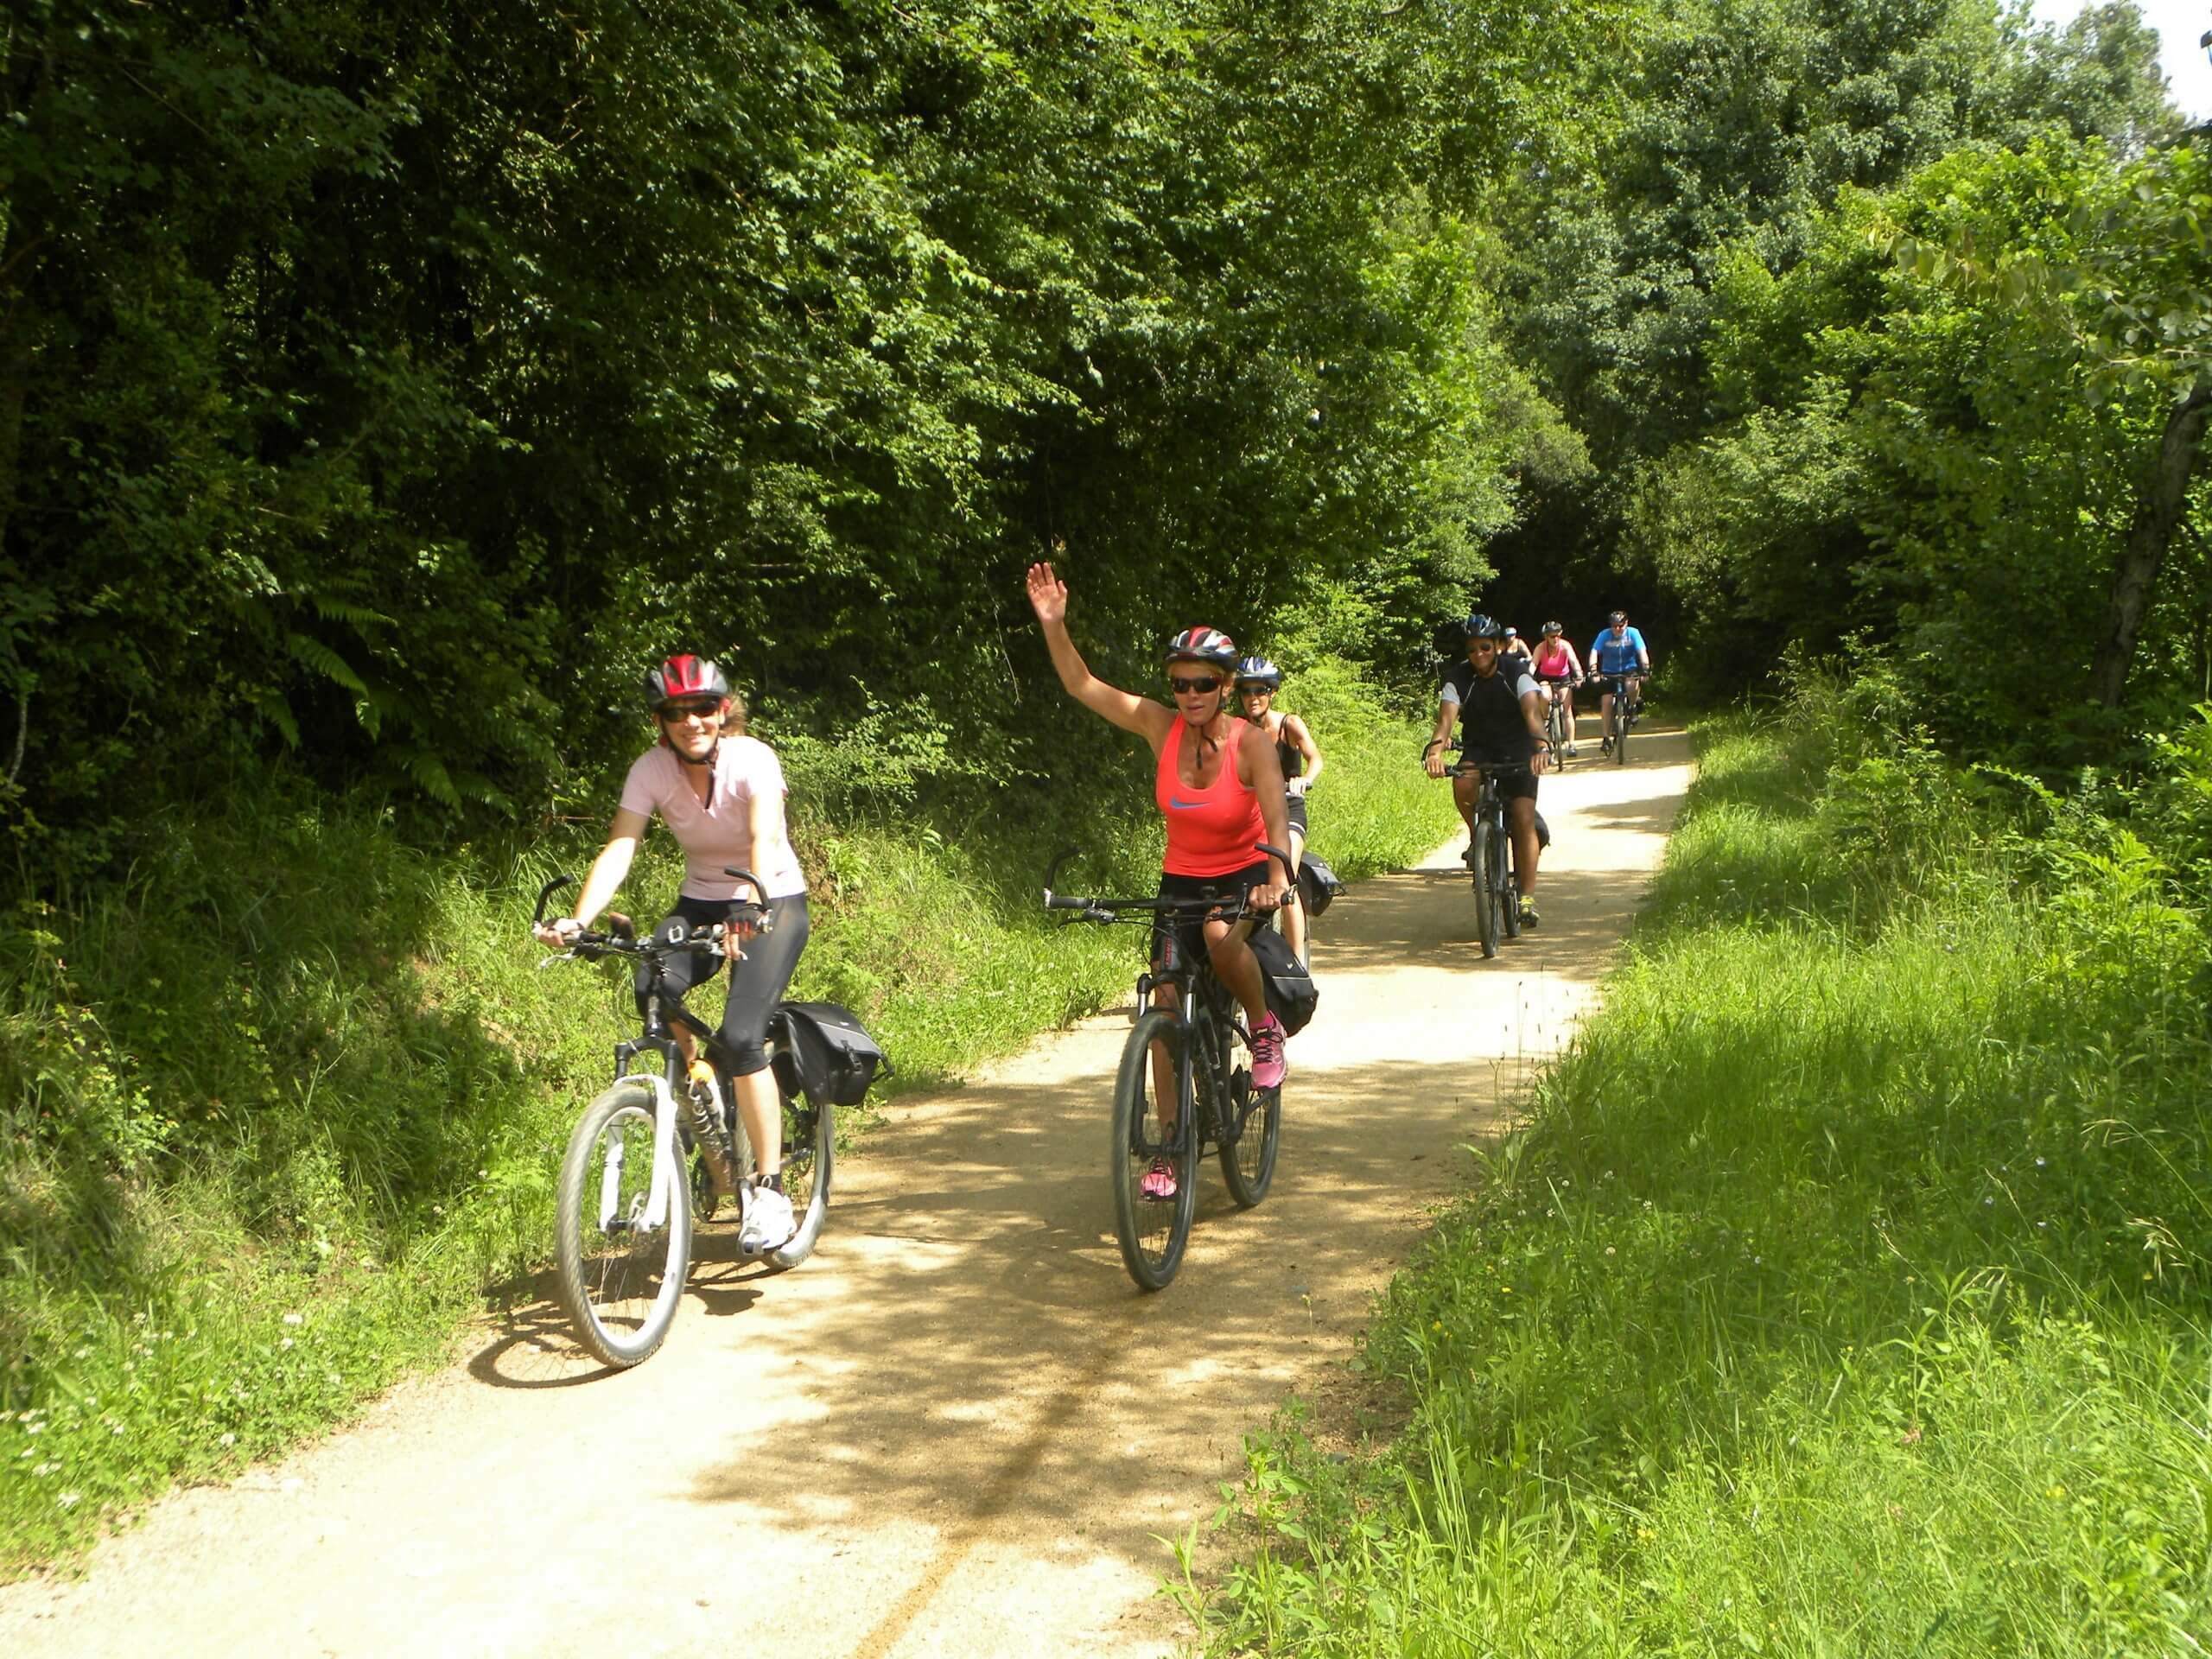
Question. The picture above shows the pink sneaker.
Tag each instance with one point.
(1268, 1066)
(1158, 1181)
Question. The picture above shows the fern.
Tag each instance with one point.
(325, 662)
(278, 713)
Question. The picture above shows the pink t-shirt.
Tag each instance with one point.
(719, 832)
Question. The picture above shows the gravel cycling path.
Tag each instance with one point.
(959, 1429)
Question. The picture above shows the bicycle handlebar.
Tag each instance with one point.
(620, 936)
(1107, 909)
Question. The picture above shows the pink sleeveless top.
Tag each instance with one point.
(1211, 831)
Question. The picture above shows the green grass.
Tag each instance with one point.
(286, 1104)
(1844, 1291)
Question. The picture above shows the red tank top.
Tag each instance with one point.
(1211, 831)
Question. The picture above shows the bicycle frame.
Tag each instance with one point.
(667, 1114)
(1194, 983)
(1205, 1087)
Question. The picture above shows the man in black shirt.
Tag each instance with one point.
(1501, 711)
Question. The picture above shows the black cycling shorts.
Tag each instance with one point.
(1180, 942)
(1511, 786)
(757, 979)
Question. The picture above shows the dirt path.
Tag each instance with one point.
(959, 1429)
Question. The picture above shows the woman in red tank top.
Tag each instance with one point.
(1219, 786)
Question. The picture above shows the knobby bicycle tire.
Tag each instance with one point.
(620, 1283)
(1253, 1133)
(1151, 1232)
(1486, 916)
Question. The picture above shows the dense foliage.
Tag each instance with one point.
(1844, 1288)
(381, 382)
(1739, 122)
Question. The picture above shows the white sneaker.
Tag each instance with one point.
(768, 1222)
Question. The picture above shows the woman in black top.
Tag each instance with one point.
(1257, 682)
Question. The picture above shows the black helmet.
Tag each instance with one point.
(1482, 626)
(1204, 645)
(1551, 628)
(1258, 671)
(1615, 619)
(684, 676)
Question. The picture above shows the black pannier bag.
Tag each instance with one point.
(1317, 886)
(823, 1051)
(1292, 994)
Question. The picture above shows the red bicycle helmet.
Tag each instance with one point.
(1208, 646)
(684, 676)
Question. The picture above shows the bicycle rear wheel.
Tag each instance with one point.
(1487, 912)
(1153, 1232)
(1253, 1132)
(810, 1150)
(620, 1277)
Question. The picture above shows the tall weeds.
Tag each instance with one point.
(1844, 1289)
(281, 1111)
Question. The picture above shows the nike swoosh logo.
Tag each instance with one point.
(1188, 806)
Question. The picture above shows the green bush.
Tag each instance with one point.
(281, 1106)
(1843, 1290)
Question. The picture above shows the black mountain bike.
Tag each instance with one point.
(1627, 690)
(1491, 858)
(1557, 727)
(654, 1146)
(1196, 1054)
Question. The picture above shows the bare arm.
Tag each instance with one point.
(1048, 597)
(764, 822)
(607, 873)
(1532, 710)
(1258, 767)
(1431, 758)
(1302, 741)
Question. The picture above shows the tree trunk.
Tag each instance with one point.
(2135, 572)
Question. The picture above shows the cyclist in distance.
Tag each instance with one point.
(721, 795)
(1258, 680)
(1220, 787)
(1501, 713)
(1559, 670)
(1515, 645)
(1618, 649)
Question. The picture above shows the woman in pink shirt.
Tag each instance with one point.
(721, 795)
(1559, 670)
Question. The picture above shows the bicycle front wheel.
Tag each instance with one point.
(1153, 1231)
(809, 1149)
(1555, 731)
(622, 1273)
(1623, 719)
(1486, 909)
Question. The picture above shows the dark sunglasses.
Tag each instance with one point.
(1191, 688)
(1253, 690)
(705, 709)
